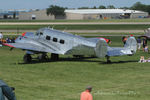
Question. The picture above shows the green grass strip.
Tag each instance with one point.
(78, 27)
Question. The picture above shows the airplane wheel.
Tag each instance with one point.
(42, 57)
(27, 58)
(54, 56)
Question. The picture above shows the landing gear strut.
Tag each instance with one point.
(27, 58)
(54, 56)
(42, 57)
(108, 59)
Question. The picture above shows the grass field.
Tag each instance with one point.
(102, 20)
(77, 27)
(123, 79)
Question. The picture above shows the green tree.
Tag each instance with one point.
(138, 6)
(148, 9)
(141, 7)
(102, 7)
(110, 7)
(56, 11)
(124, 7)
(94, 7)
(84, 8)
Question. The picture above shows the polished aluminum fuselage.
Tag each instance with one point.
(73, 44)
(58, 42)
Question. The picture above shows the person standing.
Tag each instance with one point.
(139, 41)
(1, 38)
(144, 43)
(1, 35)
(86, 95)
(124, 39)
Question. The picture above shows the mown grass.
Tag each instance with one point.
(77, 27)
(101, 20)
(123, 79)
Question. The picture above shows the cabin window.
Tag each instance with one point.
(55, 39)
(41, 33)
(48, 37)
(62, 41)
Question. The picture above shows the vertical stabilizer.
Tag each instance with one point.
(131, 44)
(101, 49)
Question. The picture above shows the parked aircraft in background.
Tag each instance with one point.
(47, 40)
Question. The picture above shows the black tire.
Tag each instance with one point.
(27, 58)
(54, 56)
(42, 57)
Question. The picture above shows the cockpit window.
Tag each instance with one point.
(48, 37)
(41, 33)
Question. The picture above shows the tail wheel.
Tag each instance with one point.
(27, 58)
(108, 59)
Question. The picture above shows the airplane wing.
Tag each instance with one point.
(31, 47)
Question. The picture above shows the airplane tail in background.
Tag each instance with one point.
(101, 48)
(131, 44)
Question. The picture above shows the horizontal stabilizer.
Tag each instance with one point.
(128, 49)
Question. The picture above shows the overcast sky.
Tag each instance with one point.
(41, 4)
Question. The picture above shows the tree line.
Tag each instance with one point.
(59, 11)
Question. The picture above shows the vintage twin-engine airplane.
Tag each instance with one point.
(47, 40)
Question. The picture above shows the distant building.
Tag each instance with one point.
(35, 15)
(9, 14)
(80, 14)
(74, 14)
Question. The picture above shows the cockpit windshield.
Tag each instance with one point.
(40, 32)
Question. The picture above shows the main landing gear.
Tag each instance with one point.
(54, 57)
(27, 58)
(42, 57)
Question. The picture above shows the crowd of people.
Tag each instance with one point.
(140, 43)
(7, 40)
(143, 60)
